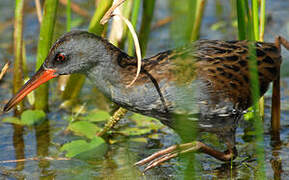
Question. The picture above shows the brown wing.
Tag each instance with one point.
(224, 64)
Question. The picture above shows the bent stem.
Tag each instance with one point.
(117, 116)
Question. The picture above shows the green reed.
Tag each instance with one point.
(242, 19)
(94, 25)
(134, 18)
(44, 44)
(255, 18)
(68, 15)
(262, 20)
(200, 5)
(248, 26)
(183, 14)
(148, 10)
(18, 49)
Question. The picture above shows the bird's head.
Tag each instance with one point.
(74, 52)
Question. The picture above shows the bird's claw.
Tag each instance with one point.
(164, 155)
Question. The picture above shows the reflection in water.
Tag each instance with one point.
(276, 161)
(18, 143)
(42, 132)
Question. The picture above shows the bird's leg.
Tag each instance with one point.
(279, 40)
(173, 151)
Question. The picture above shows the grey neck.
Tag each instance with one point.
(106, 76)
(142, 98)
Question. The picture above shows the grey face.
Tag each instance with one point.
(75, 52)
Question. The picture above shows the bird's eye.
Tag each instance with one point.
(60, 57)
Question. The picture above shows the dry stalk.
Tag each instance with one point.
(162, 22)
(4, 69)
(76, 8)
(110, 14)
(35, 159)
(38, 10)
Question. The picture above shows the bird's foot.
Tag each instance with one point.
(164, 155)
(167, 154)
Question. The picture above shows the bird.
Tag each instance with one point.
(200, 87)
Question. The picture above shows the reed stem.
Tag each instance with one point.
(261, 38)
(242, 19)
(134, 18)
(255, 18)
(147, 16)
(68, 15)
(44, 44)
(18, 47)
(248, 24)
(200, 6)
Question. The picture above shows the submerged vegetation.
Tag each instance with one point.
(92, 130)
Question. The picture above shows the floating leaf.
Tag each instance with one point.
(141, 117)
(154, 136)
(84, 128)
(82, 148)
(79, 109)
(136, 131)
(139, 139)
(13, 120)
(67, 104)
(31, 117)
(146, 121)
(96, 116)
(69, 118)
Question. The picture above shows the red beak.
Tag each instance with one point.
(40, 77)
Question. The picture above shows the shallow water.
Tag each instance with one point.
(46, 139)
